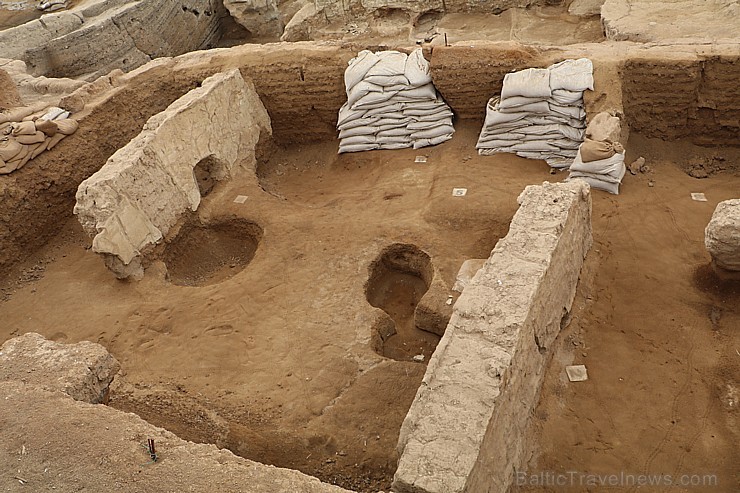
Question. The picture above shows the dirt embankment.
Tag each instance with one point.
(37, 199)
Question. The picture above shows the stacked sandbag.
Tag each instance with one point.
(391, 104)
(539, 114)
(22, 141)
(600, 159)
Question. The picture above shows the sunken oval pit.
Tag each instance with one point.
(399, 278)
(204, 254)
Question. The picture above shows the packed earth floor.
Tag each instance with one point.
(278, 358)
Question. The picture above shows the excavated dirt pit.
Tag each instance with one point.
(398, 280)
(203, 254)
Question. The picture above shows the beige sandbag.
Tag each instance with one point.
(21, 155)
(52, 141)
(67, 126)
(23, 161)
(23, 128)
(594, 150)
(48, 127)
(604, 126)
(9, 149)
(6, 168)
(38, 149)
(31, 139)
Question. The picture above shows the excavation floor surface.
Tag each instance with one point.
(276, 361)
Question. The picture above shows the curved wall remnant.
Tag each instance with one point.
(465, 430)
(145, 187)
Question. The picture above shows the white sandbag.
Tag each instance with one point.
(383, 122)
(597, 176)
(416, 112)
(496, 143)
(421, 125)
(418, 144)
(534, 145)
(440, 115)
(360, 90)
(572, 75)
(358, 147)
(393, 132)
(433, 132)
(568, 111)
(426, 91)
(392, 94)
(54, 113)
(393, 126)
(388, 107)
(416, 69)
(565, 97)
(435, 104)
(358, 139)
(347, 114)
(351, 132)
(388, 80)
(393, 140)
(360, 122)
(566, 144)
(389, 147)
(538, 108)
(531, 83)
(593, 182)
(613, 166)
(358, 67)
(516, 101)
(391, 63)
(495, 118)
(374, 99)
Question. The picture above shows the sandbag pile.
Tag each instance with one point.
(600, 159)
(391, 104)
(22, 141)
(539, 114)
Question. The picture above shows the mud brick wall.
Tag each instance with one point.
(465, 430)
(696, 98)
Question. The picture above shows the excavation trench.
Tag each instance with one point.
(267, 362)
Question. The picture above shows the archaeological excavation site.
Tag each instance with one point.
(369, 246)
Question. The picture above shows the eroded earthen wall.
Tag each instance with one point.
(145, 187)
(466, 427)
(696, 98)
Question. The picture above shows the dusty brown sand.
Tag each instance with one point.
(658, 333)
(275, 362)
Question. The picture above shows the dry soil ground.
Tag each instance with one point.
(276, 362)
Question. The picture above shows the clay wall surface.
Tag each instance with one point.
(466, 427)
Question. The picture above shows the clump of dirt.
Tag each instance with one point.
(203, 254)
(705, 167)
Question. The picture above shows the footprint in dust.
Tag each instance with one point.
(219, 330)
